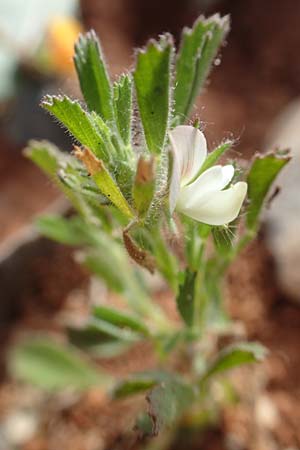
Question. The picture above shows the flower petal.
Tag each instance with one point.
(174, 185)
(212, 180)
(190, 150)
(221, 207)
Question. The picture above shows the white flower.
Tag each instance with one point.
(204, 197)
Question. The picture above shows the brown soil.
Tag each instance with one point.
(253, 299)
(24, 190)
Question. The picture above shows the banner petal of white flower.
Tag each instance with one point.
(174, 185)
(212, 180)
(189, 149)
(221, 207)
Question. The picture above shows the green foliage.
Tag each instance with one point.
(53, 366)
(120, 187)
(263, 172)
(153, 89)
(93, 76)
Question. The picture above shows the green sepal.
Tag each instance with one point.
(144, 185)
(214, 156)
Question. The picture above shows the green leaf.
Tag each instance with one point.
(93, 76)
(133, 386)
(235, 356)
(65, 231)
(120, 319)
(53, 366)
(166, 261)
(45, 156)
(114, 331)
(213, 156)
(198, 50)
(59, 166)
(96, 343)
(152, 82)
(88, 129)
(123, 106)
(110, 264)
(168, 401)
(185, 298)
(141, 382)
(263, 172)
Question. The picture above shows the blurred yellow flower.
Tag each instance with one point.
(61, 35)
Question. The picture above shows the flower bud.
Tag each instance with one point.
(144, 185)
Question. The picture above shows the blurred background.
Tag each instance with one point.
(253, 96)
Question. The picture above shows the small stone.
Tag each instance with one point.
(266, 414)
(18, 427)
(283, 217)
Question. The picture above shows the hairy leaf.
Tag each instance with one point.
(199, 46)
(62, 169)
(104, 180)
(93, 76)
(123, 106)
(88, 129)
(263, 172)
(198, 49)
(152, 83)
